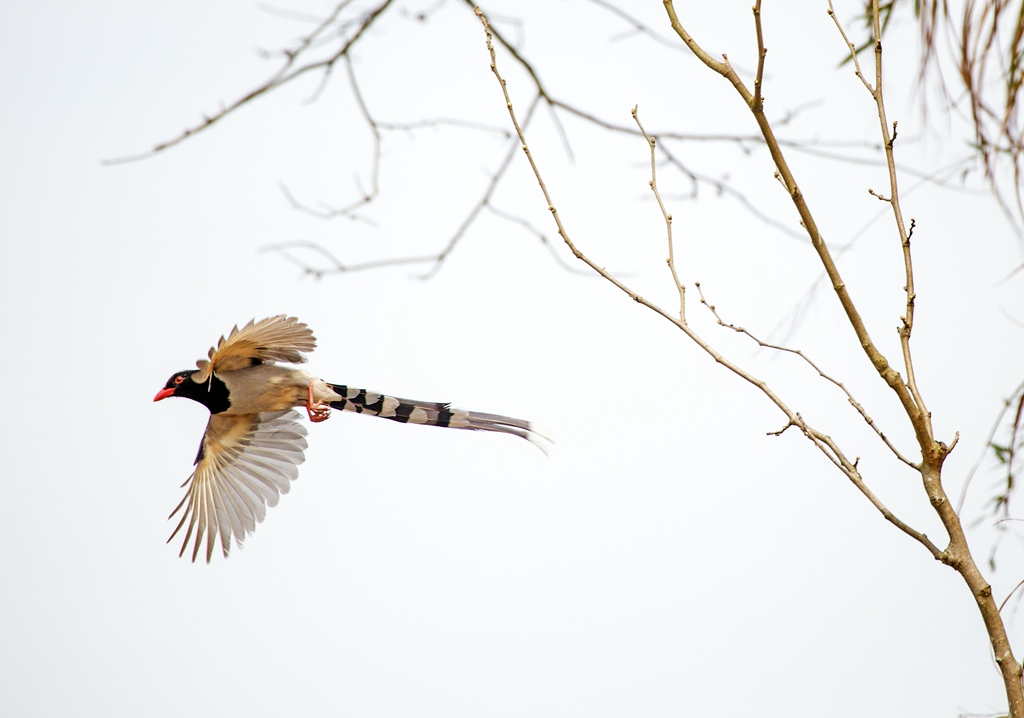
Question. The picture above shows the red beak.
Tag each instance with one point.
(164, 393)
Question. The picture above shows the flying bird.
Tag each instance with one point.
(254, 442)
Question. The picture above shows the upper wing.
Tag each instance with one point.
(245, 462)
(279, 338)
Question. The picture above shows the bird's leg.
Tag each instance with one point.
(317, 411)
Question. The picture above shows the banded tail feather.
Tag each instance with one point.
(408, 411)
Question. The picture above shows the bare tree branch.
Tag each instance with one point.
(436, 260)
(777, 347)
(636, 24)
(820, 440)
(933, 453)
(515, 219)
(878, 360)
(349, 30)
(671, 260)
(283, 76)
(337, 266)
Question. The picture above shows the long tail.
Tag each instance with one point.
(408, 411)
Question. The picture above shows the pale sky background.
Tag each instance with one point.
(667, 559)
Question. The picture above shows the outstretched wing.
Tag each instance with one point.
(245, 463)
(281, 338)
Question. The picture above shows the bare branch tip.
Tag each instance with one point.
(782, 430)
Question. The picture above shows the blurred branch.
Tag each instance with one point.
(335, 266)
(347, 26)
(486, 199)
(1017, 395)
(286, 73)
(1006, 456)
(636, 25)
(983, 43)
(525, 224)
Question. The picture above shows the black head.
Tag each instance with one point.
(213, 393)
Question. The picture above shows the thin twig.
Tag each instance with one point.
(283, 76)
(636, 24)
(907, 320)
(442, 122)
(338, 266)
(1010, 594)
(485, 199)
(852, 48)
(680, 287)
(761, 52)
(366, 197)
(894, 199)
(325, 211)
(436, 260)
(777, 347)
(528, 226)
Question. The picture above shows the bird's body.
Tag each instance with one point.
(271, 387)
(254, 442)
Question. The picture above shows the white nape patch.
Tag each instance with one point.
(418, 416)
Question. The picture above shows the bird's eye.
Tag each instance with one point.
(179, 379)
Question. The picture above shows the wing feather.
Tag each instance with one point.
(247, 462)
(275, 339)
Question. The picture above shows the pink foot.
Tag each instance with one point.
(317, 411)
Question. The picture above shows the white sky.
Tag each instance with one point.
(668, 558)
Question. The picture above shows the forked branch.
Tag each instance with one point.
(778, 347)
(287, 73)
(878, 360)
(933, 453)
(888, 140)
(821, 441)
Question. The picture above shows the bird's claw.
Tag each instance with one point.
(318, 411)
